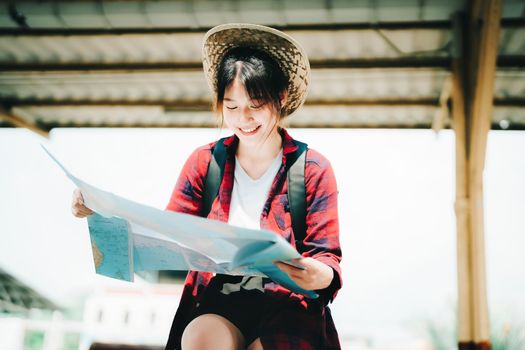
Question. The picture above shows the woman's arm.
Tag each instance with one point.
(187, 194)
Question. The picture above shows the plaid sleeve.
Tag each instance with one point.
(322, 221)
(187, 194)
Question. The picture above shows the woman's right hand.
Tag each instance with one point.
(77, 206)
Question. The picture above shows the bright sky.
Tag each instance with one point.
(396, 212)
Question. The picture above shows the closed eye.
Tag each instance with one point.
(231, 108)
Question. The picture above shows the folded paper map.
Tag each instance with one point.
(129, 237)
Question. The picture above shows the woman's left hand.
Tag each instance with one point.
(316, 274)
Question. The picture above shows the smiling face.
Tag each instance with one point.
(251, 95)
(253, 121)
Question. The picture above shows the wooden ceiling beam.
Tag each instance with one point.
(407, 25)
(176, 124)
(212, 124)
(441, 62)
(123, 67)
(22, 123)
(205, 105)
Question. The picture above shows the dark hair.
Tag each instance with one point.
(260, 74)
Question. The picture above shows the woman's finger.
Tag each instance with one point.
(86, 212)
(81, 212)
(76, 213)
(284, 267)
(81, 209)
(293, 272)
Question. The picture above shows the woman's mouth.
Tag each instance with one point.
(249, 131)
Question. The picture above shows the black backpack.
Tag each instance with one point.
(295, 165)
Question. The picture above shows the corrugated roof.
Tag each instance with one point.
(138, 63)
(16, 297)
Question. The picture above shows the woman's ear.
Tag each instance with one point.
(283, 98)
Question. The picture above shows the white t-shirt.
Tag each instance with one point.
(247, 202)
(249, 195)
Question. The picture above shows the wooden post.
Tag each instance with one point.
(474, 70)
(462, 201)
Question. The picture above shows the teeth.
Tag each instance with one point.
(249, 130)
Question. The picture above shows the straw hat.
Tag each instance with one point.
(284, 49)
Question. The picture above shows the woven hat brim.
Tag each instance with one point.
(287, 52)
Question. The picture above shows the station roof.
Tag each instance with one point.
(17, 297)
(375, 64)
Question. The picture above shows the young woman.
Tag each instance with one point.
(258, 76)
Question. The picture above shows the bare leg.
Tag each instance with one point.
(256, 345)
(210, 331)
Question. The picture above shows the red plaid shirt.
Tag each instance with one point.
(322, 235)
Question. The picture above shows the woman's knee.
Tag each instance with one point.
(210, 331)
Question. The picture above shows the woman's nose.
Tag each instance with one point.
(246, 114)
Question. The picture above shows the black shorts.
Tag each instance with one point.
(259, 315)
(243, 308)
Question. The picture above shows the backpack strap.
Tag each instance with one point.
(214, 176)
(297, 192)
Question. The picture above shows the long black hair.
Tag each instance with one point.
(260, 74)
